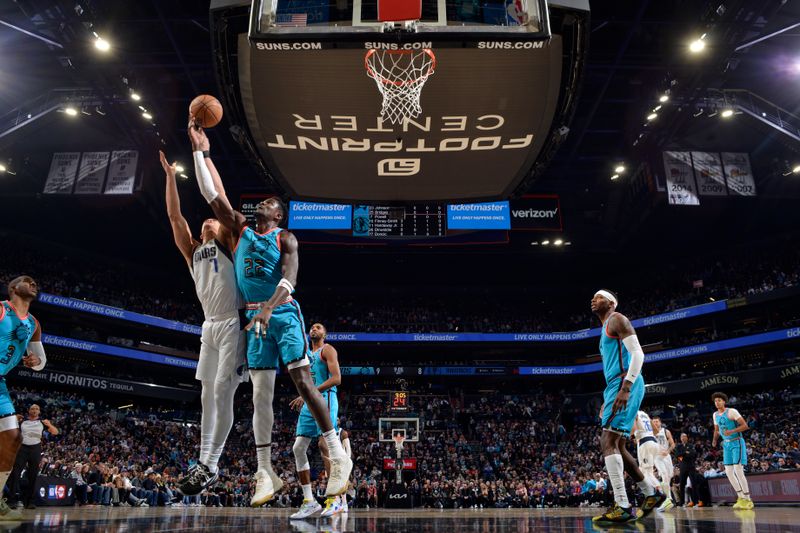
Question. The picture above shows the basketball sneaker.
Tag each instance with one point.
(615, 515)
(747, 504)
(667, 505)
(333, 506)
(7, 513)
(264, 489)
(308, 508)
(196, 479)
(340, 474)
(277, 482)
(650, 503)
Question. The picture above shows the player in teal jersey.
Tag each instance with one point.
(729, 423)
(20, 340)
(266, 260)
(327, 377)
(622, 358)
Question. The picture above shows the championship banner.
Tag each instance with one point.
(122, 172)
(740, 177)
(409, 463)
(681, 188)
(97, 383)
(92, 173)
(61, 177)
(708, 171)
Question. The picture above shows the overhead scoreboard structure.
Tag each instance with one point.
(322, 93)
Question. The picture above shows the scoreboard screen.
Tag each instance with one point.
(416, 220)
(398, 401)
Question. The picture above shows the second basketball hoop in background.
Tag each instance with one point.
(400, 76)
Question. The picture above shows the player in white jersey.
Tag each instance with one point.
(221, 367)
(664, 460)
(646, 447)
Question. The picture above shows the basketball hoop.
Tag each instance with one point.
(398, 439)
(400, 76)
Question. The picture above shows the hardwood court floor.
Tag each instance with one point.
(241, 520)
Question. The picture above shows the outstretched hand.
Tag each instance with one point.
(169, 170)
(197, 136)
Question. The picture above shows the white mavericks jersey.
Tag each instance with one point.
(643, 426)
(661, 437)
(215, 279)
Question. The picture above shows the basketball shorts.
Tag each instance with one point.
(222, 349)
(664, 466)
(622, 421)
(646, 453)
(307, 426)
(6, 405)
(734, 452)
(285, 340)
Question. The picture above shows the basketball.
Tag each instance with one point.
(206, 110)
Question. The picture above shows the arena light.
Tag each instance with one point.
(568, 243)
(652, 116)
(179, 167)
(545, 242)
(101, 44)
(614, 177)
(558, 242)
(796, 169)
(2, 167)
(663, 98)
(698, 45)
(71, 111)
(147, 115)
(619, 169)
(135, 96)
(184, 177)
(726, 113)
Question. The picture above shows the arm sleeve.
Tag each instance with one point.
(204, 179)
(38, 349)
(637, 357)
(733, 414)
(714, 420)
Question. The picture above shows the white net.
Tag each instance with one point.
(400, 76)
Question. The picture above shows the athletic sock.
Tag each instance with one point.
(264, 455)
(646, 487)
(615, 469)
(334, 444)
(3, 479)
(307, 494)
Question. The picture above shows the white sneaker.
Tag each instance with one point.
(333, 506)
(264, 489)
(308, 508)
(666, 506)
(340, 474)
(277, 482)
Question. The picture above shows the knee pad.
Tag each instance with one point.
(300, 449)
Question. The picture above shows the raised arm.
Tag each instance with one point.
(210, 183)
(180, 228)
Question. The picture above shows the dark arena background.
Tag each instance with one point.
(462, 177)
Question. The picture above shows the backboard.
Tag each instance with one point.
(389, 427)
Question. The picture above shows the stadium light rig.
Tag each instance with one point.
(663, 98)
(101, 44)
(652, 116)
(179, 167)
(796, 169)
(698, 45)
(135, 96)
(71, 111)
(726, 113)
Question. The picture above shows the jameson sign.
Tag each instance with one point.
(726, 381)
(97, 383)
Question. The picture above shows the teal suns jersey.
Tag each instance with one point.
(319, 368)
(616, 358)
(15, 333)
(257, 259)
(724, 423)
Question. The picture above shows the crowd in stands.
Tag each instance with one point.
(475, 309)
(491, 450)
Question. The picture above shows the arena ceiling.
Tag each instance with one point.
(638, 51)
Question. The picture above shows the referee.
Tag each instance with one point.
(29, 454)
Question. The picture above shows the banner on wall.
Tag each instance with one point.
(62, 173)
(681, 187)
(738, 173)
(709, 175)
(92, 173)
(122, 172)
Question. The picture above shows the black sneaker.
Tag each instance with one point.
(650, 503)
(196, 480)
